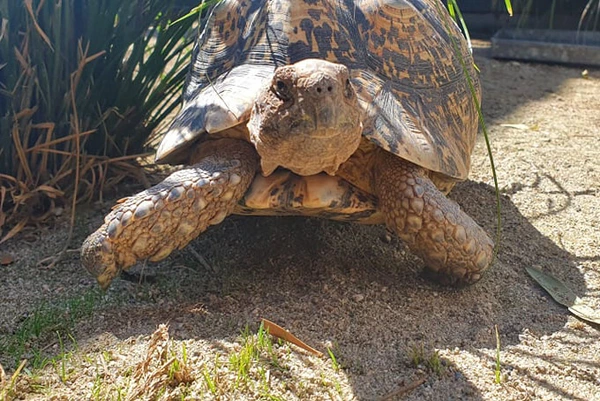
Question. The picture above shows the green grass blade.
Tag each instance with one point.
(455, 13)
(508, 6)
(195, 11)
(475, 99)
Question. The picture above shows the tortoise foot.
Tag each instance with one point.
(166, 217)
(455, 249)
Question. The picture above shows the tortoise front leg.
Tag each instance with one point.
(455, 249)
(153, 223)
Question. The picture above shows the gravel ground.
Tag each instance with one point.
(351, 289)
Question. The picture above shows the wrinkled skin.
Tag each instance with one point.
(310, 124)
(307, 120)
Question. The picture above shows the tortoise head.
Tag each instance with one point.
(307, 119)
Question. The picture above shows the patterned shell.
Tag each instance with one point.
(406, 60)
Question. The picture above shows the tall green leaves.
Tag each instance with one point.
(83, 83)
(454, 12)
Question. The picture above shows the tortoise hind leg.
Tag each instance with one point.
(153, 223)
(455, 249)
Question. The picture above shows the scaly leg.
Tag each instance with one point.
(153, 223)
(455, 249)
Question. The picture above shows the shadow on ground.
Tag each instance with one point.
(345, 286)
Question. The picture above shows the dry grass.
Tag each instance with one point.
(155, 372)
(81, 93)
(251, 367)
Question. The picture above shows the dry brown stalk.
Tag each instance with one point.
(29, 7)
(279, 332)
(152, 373)
(45, 152)
(75, 78)
(395, 395)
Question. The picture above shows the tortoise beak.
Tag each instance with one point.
(104, 281)
(98, 259)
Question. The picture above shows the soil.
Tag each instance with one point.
(351, 289)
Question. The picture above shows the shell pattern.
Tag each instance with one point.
(407, 59)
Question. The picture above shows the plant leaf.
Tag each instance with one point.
(509, 9)
(564, 295)
(458, 17)
(15, 230)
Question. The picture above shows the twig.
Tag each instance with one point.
(200, 258)
(141, 278)
(47, 144)
(404, 389)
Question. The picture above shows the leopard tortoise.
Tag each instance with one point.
(357, 111)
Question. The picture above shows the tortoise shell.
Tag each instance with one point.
(407, 60)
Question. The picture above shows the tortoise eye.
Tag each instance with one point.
(282, 90)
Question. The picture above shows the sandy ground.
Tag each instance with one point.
(349, 288)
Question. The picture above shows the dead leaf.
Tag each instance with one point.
(15, 230)
(564, 295)
(51, 192)
(6, 259)
(279, 332)
(152, 373)
(522, 127)
(29, 7)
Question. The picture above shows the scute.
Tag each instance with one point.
(398, 4)
(415, 90)
(223, 104)
(400, 53)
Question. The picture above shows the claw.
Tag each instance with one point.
(153, 223)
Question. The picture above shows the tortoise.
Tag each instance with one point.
(358, 111)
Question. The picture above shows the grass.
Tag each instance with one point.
(83, 85)
(211, 384)
(97, 388)
(7, 391)
(430, 360)
(256, 352)
(497, 371)
(468, 74)
(254, 366)
(334, 362)
(47, 319)
(61, 360)
(543, 14)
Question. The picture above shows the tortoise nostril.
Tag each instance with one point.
(322, 89)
